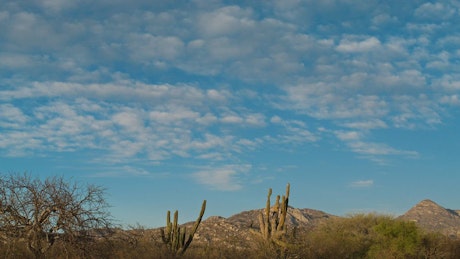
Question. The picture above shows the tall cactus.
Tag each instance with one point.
(175, 236)
(272, 219)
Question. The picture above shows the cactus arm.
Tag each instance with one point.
(268, 226)
(200, 217)
(175, 231)
(284, 208)
(272, 221)
(166, 236)
(182, 235)
(262, 224)
(276, 214)
(175, 237)
(195, 228)
(276, 207)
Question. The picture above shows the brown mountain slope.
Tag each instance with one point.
(433, 217)
(238, 230)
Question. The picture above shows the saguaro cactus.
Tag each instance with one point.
(272, 219)
(176, 237)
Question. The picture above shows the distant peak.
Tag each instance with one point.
(428, 206)
(433, 217)
(428, 201)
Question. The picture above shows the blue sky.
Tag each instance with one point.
(167, 103)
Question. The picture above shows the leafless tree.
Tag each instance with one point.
(41, 212)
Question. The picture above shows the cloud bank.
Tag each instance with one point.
(211, 81)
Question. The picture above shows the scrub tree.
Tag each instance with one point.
(41, 213)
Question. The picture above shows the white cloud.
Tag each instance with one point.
(211, 142)
(276, 119)
(117, 91)
(405, 80)
(362, 184)
(62, 127)
(378, 149)
(129, 120)
(385, 71)
(367, 124)
(56, 5)
(249, 119)
(226, 21)
(416, 111)
(224, 178)
(383, 19)
(451, 99)
(207, 119)
(356, 141)
(293, 132)
(145, 47)
(233, 119)
(12, 117)
(434, 11)
(218, 95)
(308, 99)
(255, 119)
(13, 144)
(175, 115)
(450, 82)
(14, 61)
(347, 45)
(298, 135)
(348, 135)
(127, 171)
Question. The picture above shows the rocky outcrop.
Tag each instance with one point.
(433, 217)
(238, 231)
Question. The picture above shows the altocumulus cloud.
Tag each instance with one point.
(128, 119)
(223, 178)
(158, 80)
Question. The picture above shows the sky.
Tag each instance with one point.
(355, 103)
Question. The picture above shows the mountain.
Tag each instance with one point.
(433, 217)
(238, 230)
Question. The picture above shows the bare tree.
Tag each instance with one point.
(41, 212)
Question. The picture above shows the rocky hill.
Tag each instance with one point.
(433, 217)
(238, 230)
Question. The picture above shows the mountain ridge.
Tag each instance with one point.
(433, 217)
(238, 230)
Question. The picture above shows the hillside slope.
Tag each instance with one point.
(432, 217)
(239, 231)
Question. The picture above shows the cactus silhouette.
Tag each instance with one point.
(272, 219)
(175, 237)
